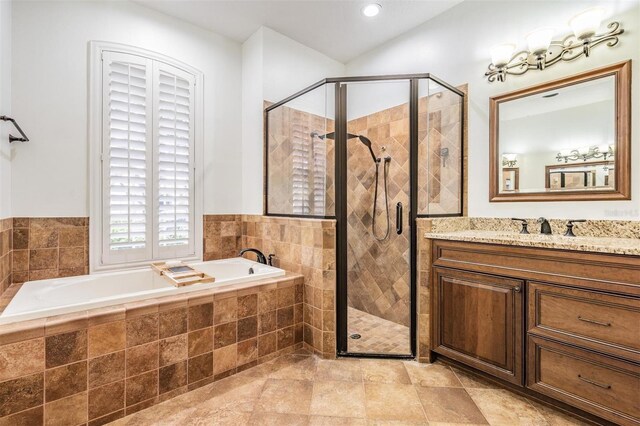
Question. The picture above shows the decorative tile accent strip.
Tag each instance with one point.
(100, 365)
(49, 248)
(6, 247)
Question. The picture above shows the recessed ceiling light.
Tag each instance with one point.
(371, 10)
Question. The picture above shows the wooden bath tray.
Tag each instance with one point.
(181, 275)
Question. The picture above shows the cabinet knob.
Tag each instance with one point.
(517, 289)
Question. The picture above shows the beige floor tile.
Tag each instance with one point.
(473, 381)
(336, 421)
(219, 417)
(433, 375)
(236, 395)
(338, 399)
(390, 401)
(501, 407)
(384, 371)
(285, 396)
(376, 422)
(252, 397)
(453, 405)
(277, 419)
(556, 418)
(295, 368)
(348, 370)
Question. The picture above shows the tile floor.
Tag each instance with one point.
(301, 389)
(378, 335)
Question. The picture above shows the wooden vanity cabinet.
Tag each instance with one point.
(479, 321)
(559, 324)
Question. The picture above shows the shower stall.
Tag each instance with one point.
(376, 154)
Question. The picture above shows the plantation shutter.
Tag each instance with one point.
(174, 145)
(126, 157)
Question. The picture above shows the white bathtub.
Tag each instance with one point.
(37, 299)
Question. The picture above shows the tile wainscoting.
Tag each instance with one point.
(99, 365)
(49, 248)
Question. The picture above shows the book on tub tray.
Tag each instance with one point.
(180, 275)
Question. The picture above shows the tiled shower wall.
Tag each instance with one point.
(378, 271)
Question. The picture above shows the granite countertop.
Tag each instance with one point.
(628, 246)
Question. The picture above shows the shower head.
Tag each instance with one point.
(367, 143)
(363, 139)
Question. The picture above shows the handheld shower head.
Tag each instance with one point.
(367, 143)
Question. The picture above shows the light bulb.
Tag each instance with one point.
(539, 40)
(585, 24)
(501, 54)
(371, 10)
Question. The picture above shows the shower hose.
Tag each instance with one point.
(387, 161)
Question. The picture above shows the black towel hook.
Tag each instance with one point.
(12, 138)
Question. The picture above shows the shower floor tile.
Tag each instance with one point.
(378, 335)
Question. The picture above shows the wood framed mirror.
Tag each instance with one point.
(564, 140)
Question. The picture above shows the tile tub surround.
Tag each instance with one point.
(6, 246)
(99, 365)
(307, 247)
(49, 248)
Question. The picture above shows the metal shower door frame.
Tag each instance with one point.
(342, 321)
(340, 120)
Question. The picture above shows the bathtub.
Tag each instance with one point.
(43, 298)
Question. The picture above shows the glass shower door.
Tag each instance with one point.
(378, 227)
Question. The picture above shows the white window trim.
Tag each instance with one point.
(96, 49)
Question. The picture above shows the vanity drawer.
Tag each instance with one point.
(606, 387)
(595, 320)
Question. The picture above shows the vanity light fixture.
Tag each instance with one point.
(586, 153)
(542, 51)
(509, 160)
(371, 10)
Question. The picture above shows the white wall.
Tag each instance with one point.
(49, 99)
(5, 109)
(252, 121)
(282, 66)
(455, 47)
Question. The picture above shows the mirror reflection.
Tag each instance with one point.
(558, 140)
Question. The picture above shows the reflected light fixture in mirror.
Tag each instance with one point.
(542, 51)
(509, 160)
(371, 10)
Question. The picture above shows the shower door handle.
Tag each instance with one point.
(399, 218)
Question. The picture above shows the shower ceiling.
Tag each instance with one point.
(342, 32)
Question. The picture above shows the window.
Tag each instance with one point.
(145, 122)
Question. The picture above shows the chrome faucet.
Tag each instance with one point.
(545, 227)
(260, 257)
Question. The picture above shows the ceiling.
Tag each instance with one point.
(334, 27)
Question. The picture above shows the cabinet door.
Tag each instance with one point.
(478, 320)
